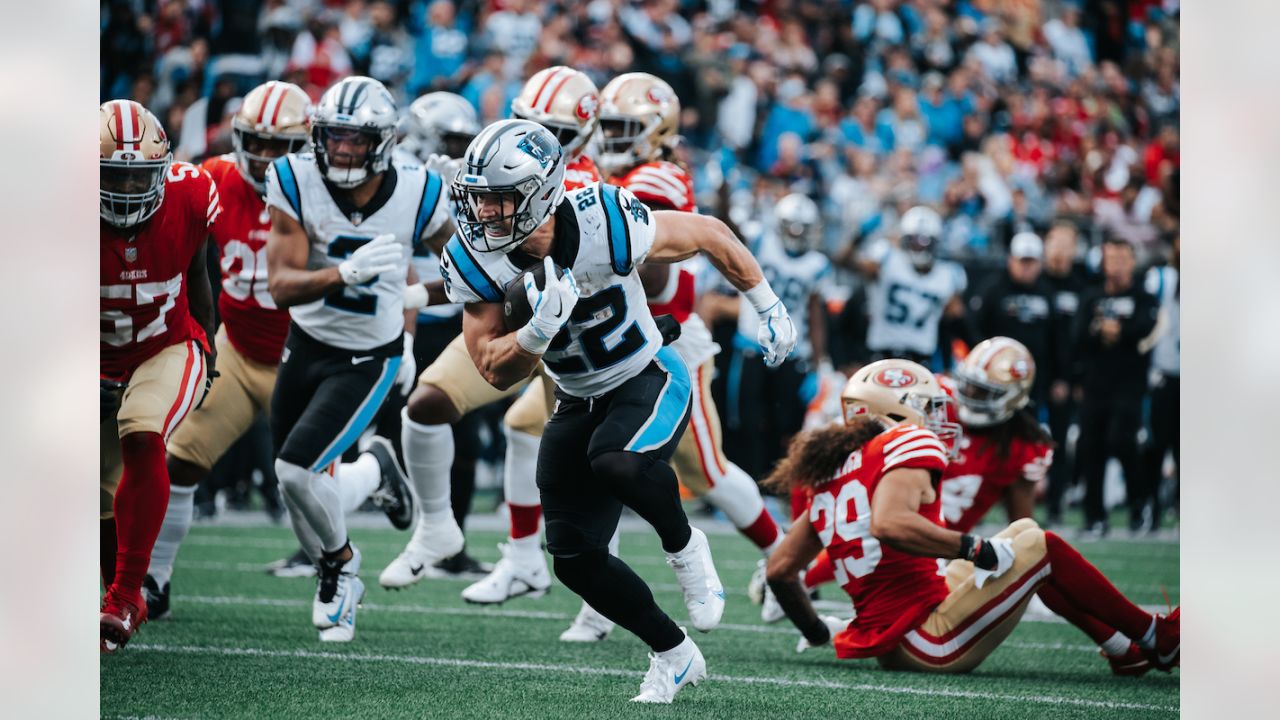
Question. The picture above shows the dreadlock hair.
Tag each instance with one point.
(1023, 426)
(814, 457)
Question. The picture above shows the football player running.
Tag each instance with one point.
(911, 292)
(273, 120)
(156, 315)
(876, 508)
(622, 398)
(563, 100)
(344, 221)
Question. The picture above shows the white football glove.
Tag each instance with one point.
(777, 334)
(835, 625)
(444, 165)
(408, 367)
(379, 255)
(551, 307)
(415, 296)
(1004, 561)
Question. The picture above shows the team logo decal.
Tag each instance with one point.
(535, 145)
(587, 106)
(895, 378)
(1019, 369)
(658, 96)
(131, 254)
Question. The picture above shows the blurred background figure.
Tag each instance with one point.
(1164, 427)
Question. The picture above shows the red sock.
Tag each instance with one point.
(141, 501)
(1083, 586)
(799, 502)
(1098, 631)
(107, 550)
(821, 572)
(524, 520)
(763, 531)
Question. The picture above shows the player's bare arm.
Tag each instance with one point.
(499, 358)
(1020, 499)
(200, 297)
(896, 519)
(289, 281)
(800, 546)
(679, 236)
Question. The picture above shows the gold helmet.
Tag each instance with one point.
(133, 159)
(564, 101)
(896, 391)
(994, 381)
(639, 116)
(274, 119)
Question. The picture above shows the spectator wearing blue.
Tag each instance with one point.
(1068, 41)
(386, 52)
(490, 73)
(790, 114)
(861, 130)
(942, 112)
(440, 50)
(876, 23)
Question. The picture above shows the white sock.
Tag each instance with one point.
(177, 521)
(314, 504)
(768, 552)
(684, 648)
(1116, 645)
(428, 455)
(530, 544)
(1148, 640)
(737, 496)
(357, 480)
(519, 474)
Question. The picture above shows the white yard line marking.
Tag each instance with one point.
(616, 672)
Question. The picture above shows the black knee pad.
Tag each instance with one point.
(620, 467)
(577, 571)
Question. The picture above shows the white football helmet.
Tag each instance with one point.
(516, 169)
(921, 229)
(355, 111)
(896, 391)
(563, 100)
(639, 117)
(796, 220)
(994, 381)
(440, 123)
(133, 160)
(274, 118)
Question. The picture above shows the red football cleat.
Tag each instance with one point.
(119, 620)
(1133, 663)
(1164, 656)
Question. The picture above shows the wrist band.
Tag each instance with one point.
(531, 340)
(762, 297)
(968, 543)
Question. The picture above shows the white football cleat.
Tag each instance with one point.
(436, 538)
(703, 593)
(670, 671)
(770, 610)
(520, 572)
(589, 626)
(757, 586)
(338, 592)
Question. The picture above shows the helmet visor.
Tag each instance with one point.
(940, 415)
(455, 144)
(620, 133)
(255, 151)
(347, 148)
(130, 191)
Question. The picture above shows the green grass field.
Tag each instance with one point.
(240, 644)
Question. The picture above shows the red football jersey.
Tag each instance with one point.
(976, 480)
(892, 591)
(661, 185)
(580, 173)
(142, 286)
(678, 297)
(255, 326)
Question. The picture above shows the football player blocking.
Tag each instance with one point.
(875, 507)
(360, 213)
(621, 407)
(273, 120)
(156, 309)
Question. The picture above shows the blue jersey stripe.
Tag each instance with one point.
(289, 184)
(619, 235)
(479, 282)
(426, 208)
(672, 405)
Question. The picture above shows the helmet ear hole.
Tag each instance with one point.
(896, 417)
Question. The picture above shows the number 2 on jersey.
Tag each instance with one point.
(353, 298)
(847, 516)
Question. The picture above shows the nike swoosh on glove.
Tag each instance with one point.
(1002, 549)
(379, 255)
(777, 334)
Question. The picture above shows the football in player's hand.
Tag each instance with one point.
(516, 311)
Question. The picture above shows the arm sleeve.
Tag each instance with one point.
(282, 188)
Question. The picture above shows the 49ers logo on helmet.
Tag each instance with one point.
(895, 378)
(1019, 369)
(587, 106)
(658, 95)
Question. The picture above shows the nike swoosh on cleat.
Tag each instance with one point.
(682, 673)
(719, 594)
(334, 617)
(417, 570)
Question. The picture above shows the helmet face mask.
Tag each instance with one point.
(920, 250)
(354, 131)
(921, 229)
(273, 120)
(994, 381)
(254, 151)
(454, 144)
(507, 194)
(896, 391)
(639, 117)
(796, 221)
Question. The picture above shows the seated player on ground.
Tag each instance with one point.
(875, 507)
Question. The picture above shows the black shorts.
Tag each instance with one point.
(646, 414)
(326, 396)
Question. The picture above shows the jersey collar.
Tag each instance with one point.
(357, 215)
